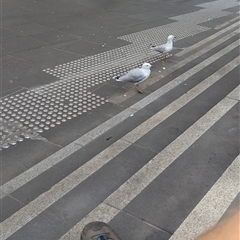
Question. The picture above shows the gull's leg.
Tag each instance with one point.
(164, 60)
(137, 88)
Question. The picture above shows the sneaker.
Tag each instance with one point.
(98, 231)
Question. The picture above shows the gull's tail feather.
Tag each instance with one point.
(117, 78)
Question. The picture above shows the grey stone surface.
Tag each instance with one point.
(9, 206)
(234, 206)
(53, 36)
(39, 55)
(189, 114)
(85, 48)
(88, 194)
(195, 170)
(8, 34)
(212, 206)
(142, 178)
(74, 128)
(16, 70)
(4, 52)
(130, 227)
(47, 56)
(21, 43)
(9, 88)
(13, 164)
(214, 23)
(46, 34)
(26, 28)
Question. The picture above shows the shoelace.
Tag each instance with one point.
(102, 236)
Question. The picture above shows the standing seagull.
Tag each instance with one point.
(165, 48)
(136, 76)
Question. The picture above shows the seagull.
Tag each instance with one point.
(136, 76)
(164, 48)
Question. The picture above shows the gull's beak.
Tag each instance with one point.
(152, 66)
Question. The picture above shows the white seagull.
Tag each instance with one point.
(164, 48)
(136, 75)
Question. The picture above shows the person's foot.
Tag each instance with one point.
(98, 231)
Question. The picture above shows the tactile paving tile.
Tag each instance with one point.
(29, 113)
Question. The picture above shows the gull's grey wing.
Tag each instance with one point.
(133, 76)
(161, 48)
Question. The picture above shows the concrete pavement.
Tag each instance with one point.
(78, 147)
